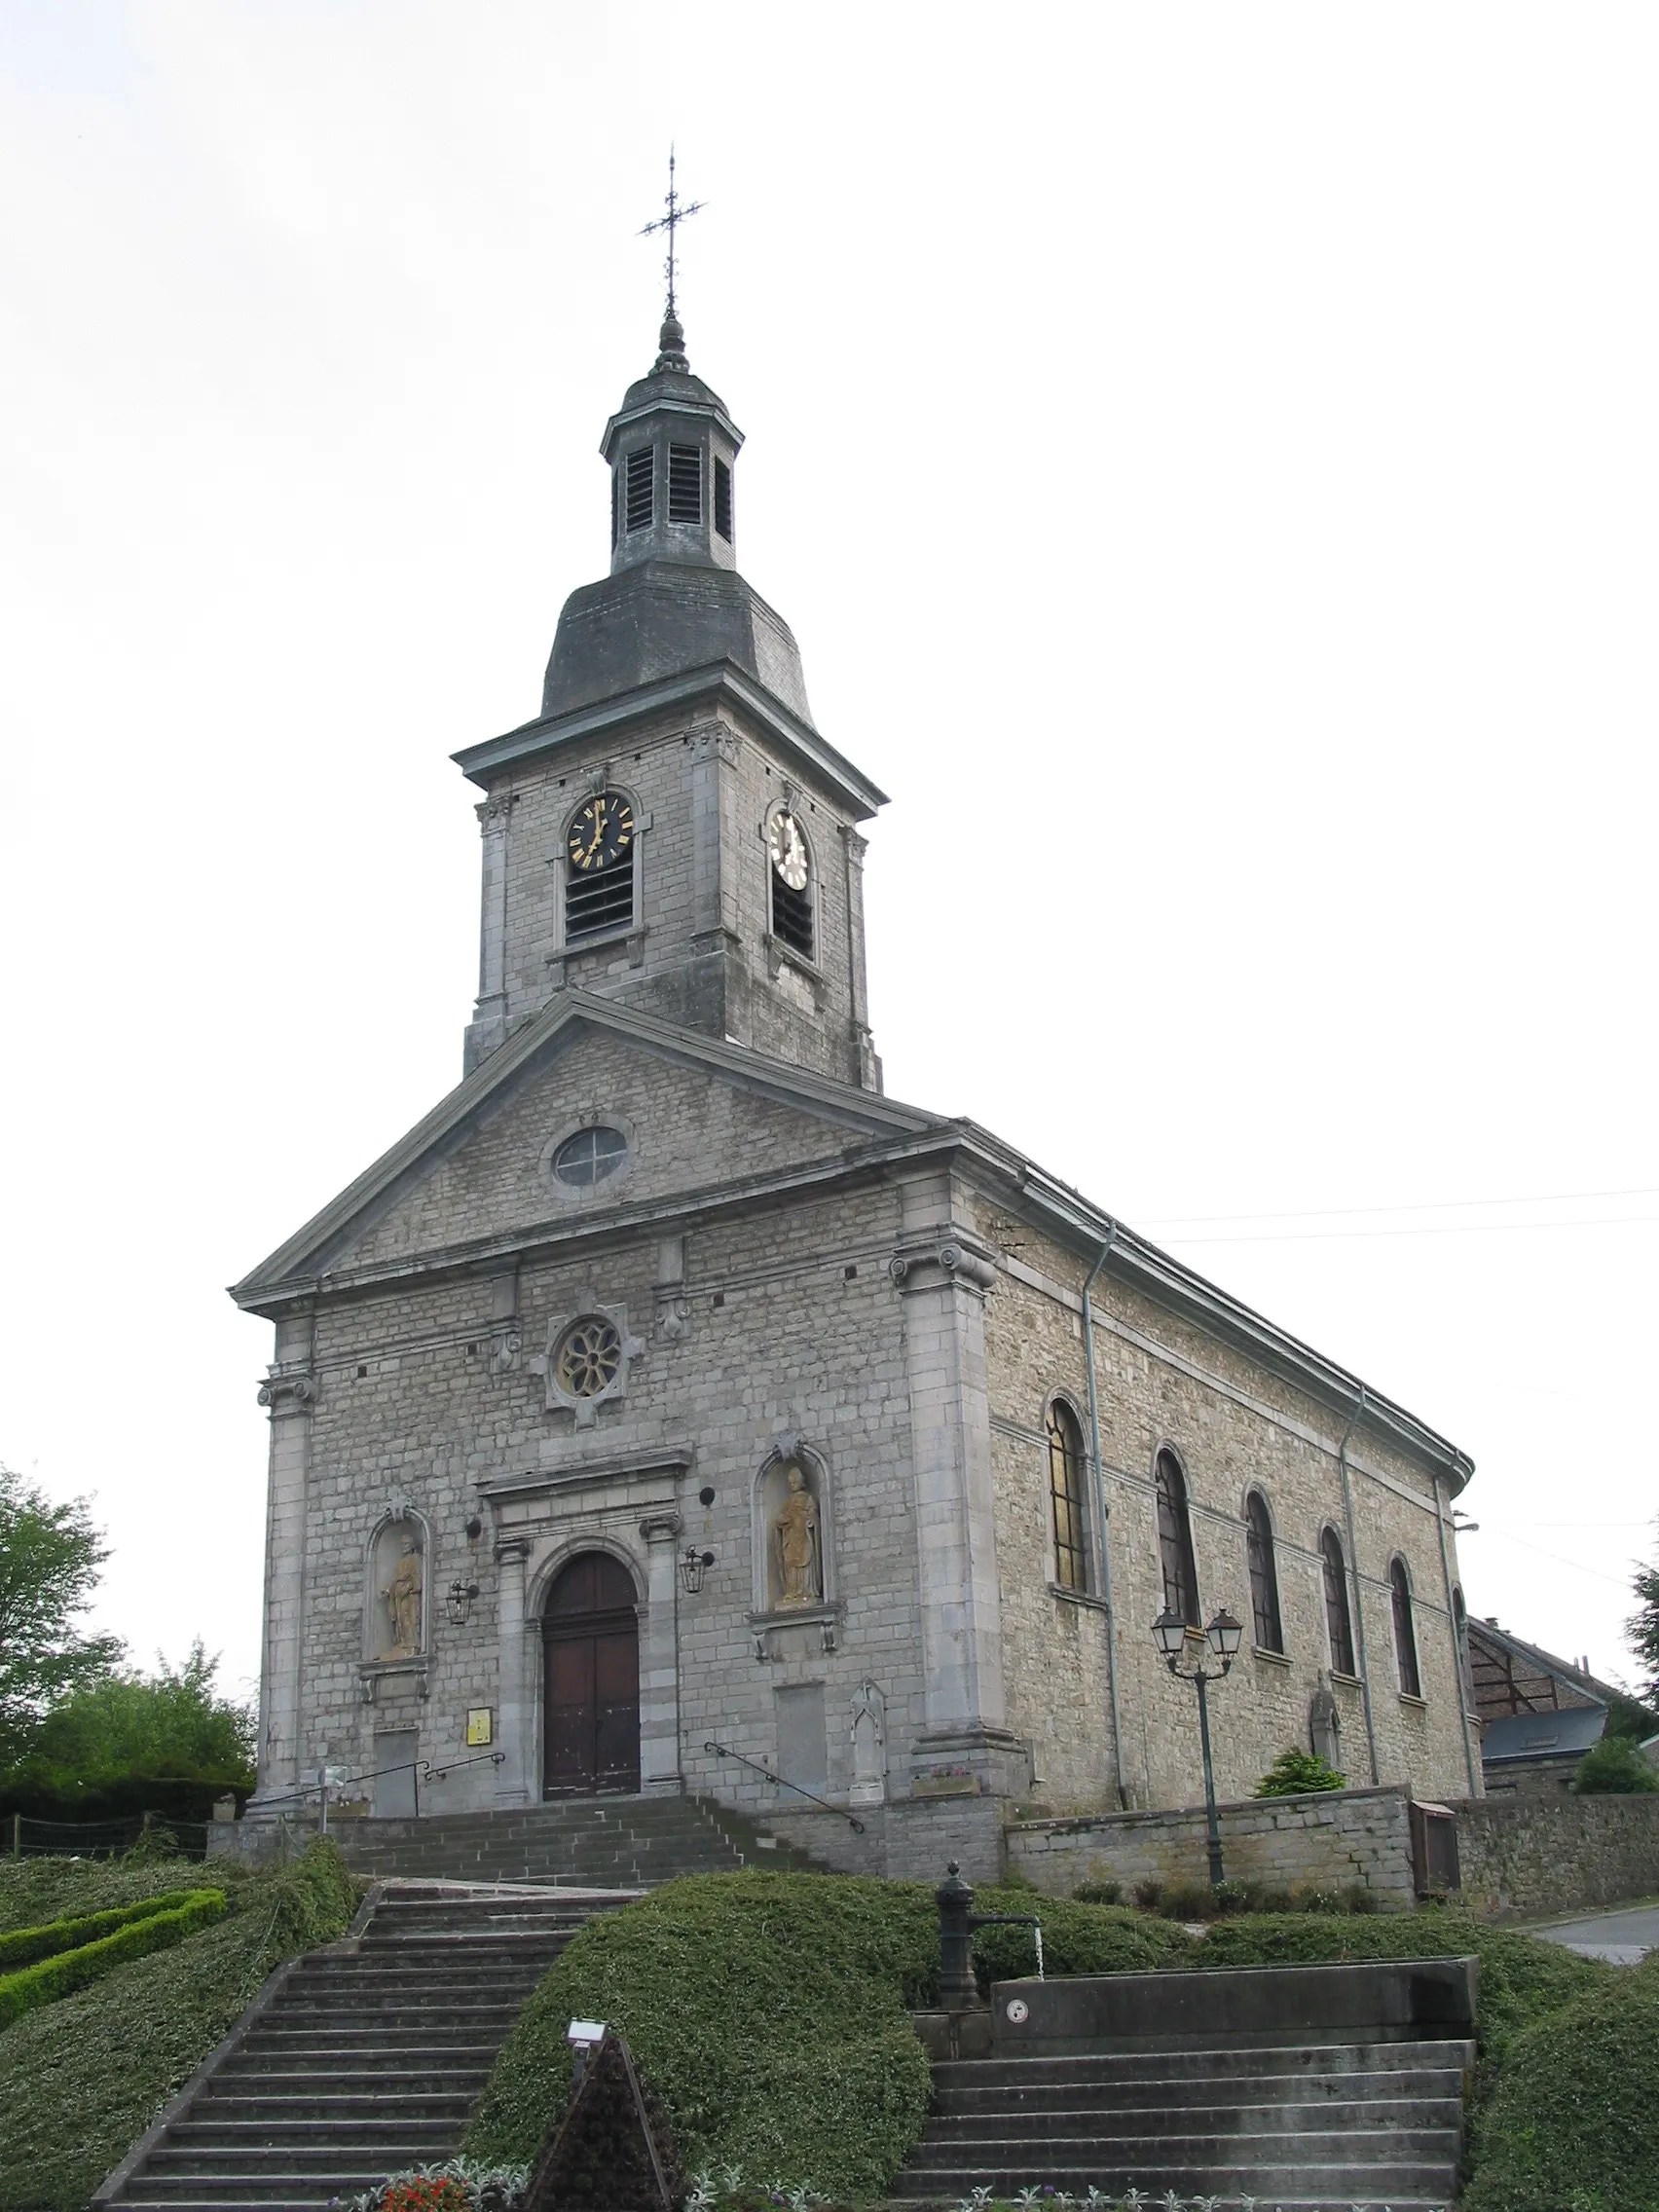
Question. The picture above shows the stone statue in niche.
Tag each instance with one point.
(798, 1550)
(401, 1595)
(1325, 1726)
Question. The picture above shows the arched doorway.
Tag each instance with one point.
(591, 1639)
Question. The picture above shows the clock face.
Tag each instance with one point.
(601, 832)
(787, 848)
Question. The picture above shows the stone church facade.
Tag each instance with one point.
(669, 1387)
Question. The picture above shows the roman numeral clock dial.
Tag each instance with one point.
(601, 832)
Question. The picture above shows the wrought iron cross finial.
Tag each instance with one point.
(670, 221)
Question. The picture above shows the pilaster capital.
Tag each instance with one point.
(927, 1264)
(288, 1393)
(512, 1549)
(857, 845)
(660, 1528)
(495, 812)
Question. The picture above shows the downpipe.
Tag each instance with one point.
(1358, 1592)
(1101, 1517)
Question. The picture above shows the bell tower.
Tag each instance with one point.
(673, 832)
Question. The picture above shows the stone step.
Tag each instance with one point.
(395, 2093)
(386, 2148)
(275, 2182)
(1240, 2144)
(1273, 2090)
(1194, 2120)
(1223, 2061)
(393, 2073)
(304, 2137)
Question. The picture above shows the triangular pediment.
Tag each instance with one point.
(699, 1116)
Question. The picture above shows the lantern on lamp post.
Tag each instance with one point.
(1184, 1650)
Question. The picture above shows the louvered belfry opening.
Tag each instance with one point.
(791, 915)
(684, 483)
(601, 900)
(639, 489)
(722, 501)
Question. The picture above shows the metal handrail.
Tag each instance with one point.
(721, 1751)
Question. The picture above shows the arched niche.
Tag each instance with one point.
(397, 1588)
(793, 1552)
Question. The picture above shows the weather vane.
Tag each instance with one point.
(670, 222)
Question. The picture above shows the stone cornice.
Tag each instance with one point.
(797, 739)
(589, 1470)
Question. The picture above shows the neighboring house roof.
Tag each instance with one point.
(1514, 1677)
(317, 1261)
(1566, 1734)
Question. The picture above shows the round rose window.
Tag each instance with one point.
(589, 1157)
(590, 1352)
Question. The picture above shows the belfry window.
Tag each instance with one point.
(1175, 1541)
(1405, 1630)
(1339, 1622)
(1065, 1498)
(640, 473)
(598, 867)
(684, 483)
(722, 501)
(1266, 1626)
(791, 884)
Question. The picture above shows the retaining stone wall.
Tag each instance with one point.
(1331, 1839)
(1521, 1857)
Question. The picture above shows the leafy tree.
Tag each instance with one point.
(1642, 1628)
(1614, 1768)
(1295, 1771)
(174, 1724)
(49, 1556)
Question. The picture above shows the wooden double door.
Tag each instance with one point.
(591, 1703)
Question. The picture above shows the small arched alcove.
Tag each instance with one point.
(590, 1629)
(395, 1595)
(793, 1556)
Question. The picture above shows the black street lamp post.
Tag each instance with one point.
(1173, 1636)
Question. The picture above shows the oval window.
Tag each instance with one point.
(589, 1157)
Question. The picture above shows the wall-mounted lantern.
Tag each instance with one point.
(458, 1603)
(691, 1568)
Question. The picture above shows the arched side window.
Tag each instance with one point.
(1339, 1622)
(1266, 1626)
(793, 882)
(1065, 1498)
(1175, 1541)
(1460, 1636)
(599, 866)
(1405, 1628)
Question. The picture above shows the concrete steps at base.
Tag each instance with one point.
(1302, 2126)
(367, 2059)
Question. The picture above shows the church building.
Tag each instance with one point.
(672, 1411)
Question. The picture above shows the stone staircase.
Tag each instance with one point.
(1313, 2127)
(626, 1843)
(357, 2060)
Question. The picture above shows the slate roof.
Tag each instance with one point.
(1566, 1734)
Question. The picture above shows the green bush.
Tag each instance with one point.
(1077, 1938)
(22, 1946)
(1098, 1892)
(767, 2011)
(1294, 1773)
(56, 1977)
(35, 1890)
(1614, 1768)
(82, 2079)
(1573, 2122)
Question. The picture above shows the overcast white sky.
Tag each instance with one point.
(1208, 458)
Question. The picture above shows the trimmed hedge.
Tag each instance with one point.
(22, 1946)
(82, 2079)
(1573, 2122)
(1521, 1977)
(69, 1970)
(767, 2011)
(35, 1890)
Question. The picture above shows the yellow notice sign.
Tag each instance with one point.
(478, 1730)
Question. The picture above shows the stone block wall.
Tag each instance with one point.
(1530, 1857)
(1332, 1839)
(1236, 1426)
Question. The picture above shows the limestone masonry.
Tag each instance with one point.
(670, 1386)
